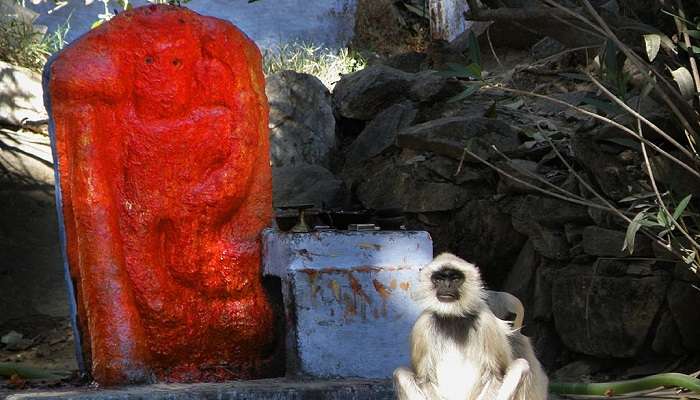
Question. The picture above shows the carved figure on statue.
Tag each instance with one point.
(160, 131)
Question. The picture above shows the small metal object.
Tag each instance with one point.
(322, 228)
(301, 226)
(362, 227)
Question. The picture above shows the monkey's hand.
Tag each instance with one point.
(517, 371)
(406, 385)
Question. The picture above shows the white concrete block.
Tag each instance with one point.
(349, 298)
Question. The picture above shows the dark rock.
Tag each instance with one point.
(545, 48)
(450, 136)
(547, 345)
(684, 303)
(679, 180)
(550, 242)
(608, 243)
(449, 169)
(307, 184)
(542, 304)
(431, 87)
(381, 132)
(683, 272)
(668, 340)
(605, 316)
(411, 61)
(549, 211)
(520, 169)
(302, 126)
(365, 93)
(520, 277)
(578, 371)
(609, 172)
(573, 233)
(395, 186)
(484, 235)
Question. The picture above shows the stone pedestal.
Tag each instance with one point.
(349, 298)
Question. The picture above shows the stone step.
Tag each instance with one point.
(263, 389)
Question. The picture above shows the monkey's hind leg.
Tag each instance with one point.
(406, 387)
(517, 372)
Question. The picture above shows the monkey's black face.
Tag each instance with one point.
(447, 282)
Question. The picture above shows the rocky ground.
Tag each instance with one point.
(391, 138)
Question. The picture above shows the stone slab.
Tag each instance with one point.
(264, 389)
(349, 298)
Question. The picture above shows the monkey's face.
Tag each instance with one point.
(450, 286)
(447, 283)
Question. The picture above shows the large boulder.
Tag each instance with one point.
(394, 184)
(605, 314)
(608, 243)
(483, 234)
(381, 132)
(364, 94)
(684, 303)
(302, 126)
(307, 184)
(450, 136)
(21, 95)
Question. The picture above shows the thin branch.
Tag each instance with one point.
(604, 119)
(640, 117)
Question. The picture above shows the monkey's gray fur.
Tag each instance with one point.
(461, 351)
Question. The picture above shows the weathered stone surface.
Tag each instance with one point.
(608, 243)
(351, 298)
(549, 211)
(449, 169)
(521, 275)
(609, 172)
(21, 95)
(449, 136)
(483, 234)
(550, 242)
(395, 187)
(431, 87)
(577, 371)
(380, 133)
(605, 316)
(364, 94)
(668, 339)
(262, 389)
(302, 126)
(307, 184)
(524, 170)
(684, 303)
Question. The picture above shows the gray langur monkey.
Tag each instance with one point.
(459, 349)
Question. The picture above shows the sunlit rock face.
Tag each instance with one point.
(160, 127)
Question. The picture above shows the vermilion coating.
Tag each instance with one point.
(161, 134)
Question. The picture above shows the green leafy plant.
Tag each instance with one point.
(472, 72)
(22, 44)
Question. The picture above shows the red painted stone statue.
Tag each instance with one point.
(161, 136)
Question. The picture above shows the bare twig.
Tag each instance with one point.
(604, 119)
(640, 117)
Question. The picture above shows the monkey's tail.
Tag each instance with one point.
(628, 386)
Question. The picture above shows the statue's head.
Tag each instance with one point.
(164, 67)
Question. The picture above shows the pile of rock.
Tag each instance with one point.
(396, 139)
